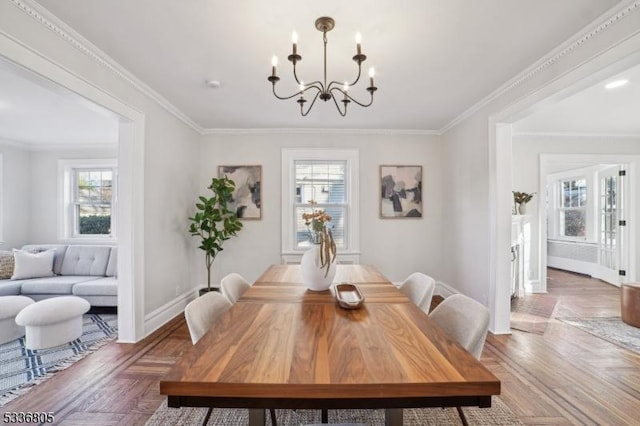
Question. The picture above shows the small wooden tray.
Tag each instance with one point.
(348, 296)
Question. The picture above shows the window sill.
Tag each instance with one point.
(89, 240)
(569, 241)
(345, 258)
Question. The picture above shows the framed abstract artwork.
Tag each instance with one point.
(400, 192)
(247, 197)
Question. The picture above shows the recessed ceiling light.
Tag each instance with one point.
(616, 83)
(212, 83)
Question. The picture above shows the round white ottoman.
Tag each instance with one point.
(52, 322)
(9, 308)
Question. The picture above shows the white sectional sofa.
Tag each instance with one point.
(84, 271)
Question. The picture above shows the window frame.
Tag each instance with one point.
(555, 181)
(67, 224)
(560, 208)
(289, 248)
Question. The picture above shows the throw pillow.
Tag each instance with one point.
(6, 264)
(32, 265)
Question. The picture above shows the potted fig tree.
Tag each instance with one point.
(214, 222)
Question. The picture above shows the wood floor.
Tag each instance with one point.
(552, 373)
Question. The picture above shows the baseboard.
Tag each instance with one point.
(572, 265)
(444, 290)
(533, 286)
(156, 319)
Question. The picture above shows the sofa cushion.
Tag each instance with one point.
(32, 265)
(86, 260)
(6, 264)
(10, 287)
(112, 266)
(53, 285)
(60, 250)
(107, 286)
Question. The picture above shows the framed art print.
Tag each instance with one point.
(400, 192)
(246, 198)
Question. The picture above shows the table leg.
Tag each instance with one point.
(393, 417)
(256, 417)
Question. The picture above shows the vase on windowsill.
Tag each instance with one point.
(318, 264)
(522, 208)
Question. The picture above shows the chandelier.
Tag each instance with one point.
(320, 89)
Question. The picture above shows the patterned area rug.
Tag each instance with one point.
(611, 329)
(498, 415)
(22, 368)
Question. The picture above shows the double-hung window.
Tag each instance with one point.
(321, 185)
(89, 199)
(320, 179)
(572, 208)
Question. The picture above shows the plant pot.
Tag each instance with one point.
(313, 274)
(522, 208)
(206, 290)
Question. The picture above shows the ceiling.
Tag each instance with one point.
(594, 111)
(35, 111)
(434, 59)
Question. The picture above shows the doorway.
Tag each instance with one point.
(131, 190)
(590, 201)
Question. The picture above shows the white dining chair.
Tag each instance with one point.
(419, 288)
(202, 312)
(465, 321)
(233, 286)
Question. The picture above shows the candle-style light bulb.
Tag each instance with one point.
(274, 64)
(294, 39)
(372, 73)
(346, 89)
(301, 88)
(359, 43)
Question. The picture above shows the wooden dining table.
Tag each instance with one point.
(283, 346)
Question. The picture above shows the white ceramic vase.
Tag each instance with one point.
(522, 208)
(313, 274)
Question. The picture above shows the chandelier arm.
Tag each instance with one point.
(337, 83)
(351, 98)
(338, 107)
(298, 93)
(304, 114)
(295, 74)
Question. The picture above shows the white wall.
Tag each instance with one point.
(170, 148)
(397, 247)
(16, 202)
(526, 152)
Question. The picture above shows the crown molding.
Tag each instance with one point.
(578, 135)
(43, 16)
(303, 131)
(599, 25)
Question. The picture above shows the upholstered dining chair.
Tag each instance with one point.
(233, 285)
(419, 288)
(203, 312)
(465, 321)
